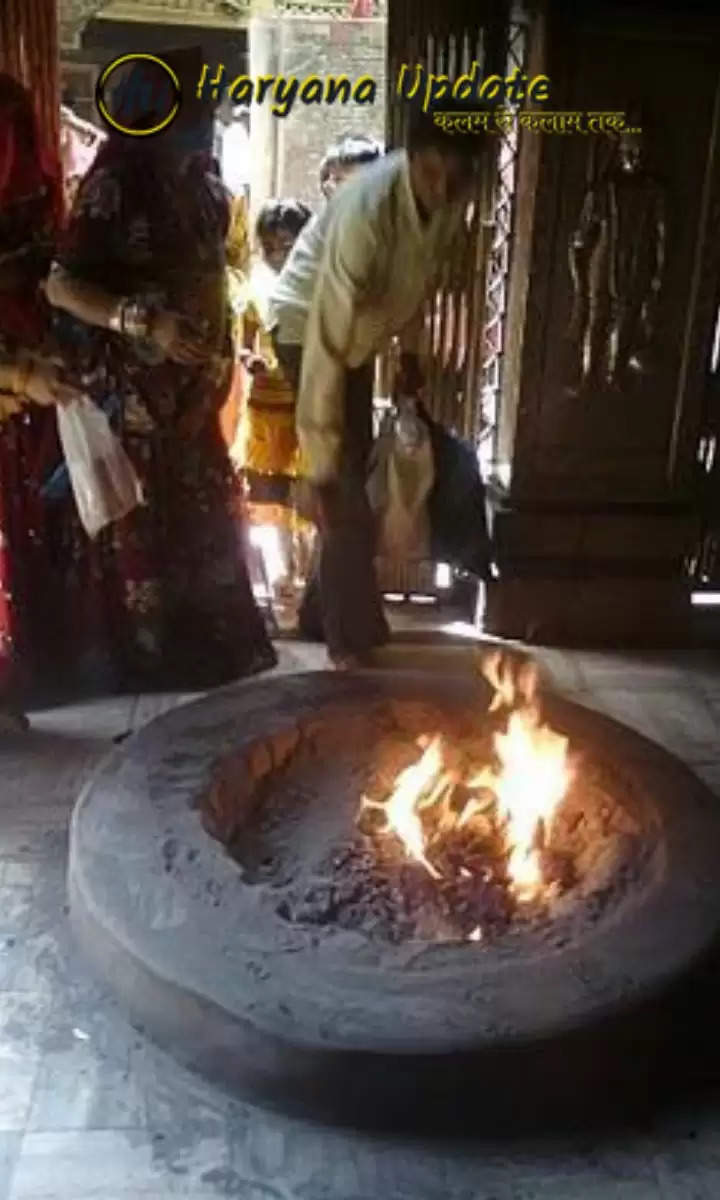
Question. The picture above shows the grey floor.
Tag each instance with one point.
(89, 1109)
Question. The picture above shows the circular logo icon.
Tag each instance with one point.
(145, 96)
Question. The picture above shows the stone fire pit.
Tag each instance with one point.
(222, 882)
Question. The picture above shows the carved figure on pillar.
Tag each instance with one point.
(617, 263)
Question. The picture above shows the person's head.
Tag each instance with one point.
(443, 166)
(278, 225)
(342, 159)
(142, 96)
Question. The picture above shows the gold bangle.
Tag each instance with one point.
(116, 319)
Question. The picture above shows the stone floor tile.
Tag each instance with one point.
(122, 1164)
(628, 707)
(106, 717)
(563, 670)
(84, 1088)
(18, 874)
(16, 908)
(24, 963)
(40, 838)
(22, 1017)
(646, 672)
(10, 1144)
(686, 1174)
(301, 656)
(690, 727)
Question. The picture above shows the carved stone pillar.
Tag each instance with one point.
(73, 16)
(264, 35)
(610, 324)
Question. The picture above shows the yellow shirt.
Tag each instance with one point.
(268, 439)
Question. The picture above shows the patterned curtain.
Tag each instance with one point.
(29, 51)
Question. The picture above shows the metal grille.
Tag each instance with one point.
(498, 264)
(704, 565)
(446, 39)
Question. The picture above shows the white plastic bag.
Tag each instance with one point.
(104, 482)
(399, 486)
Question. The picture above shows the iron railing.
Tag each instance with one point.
(704, 562)
(499, 261)
(466, 319)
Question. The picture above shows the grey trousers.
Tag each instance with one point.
(342, 603)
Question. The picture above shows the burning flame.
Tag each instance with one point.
(417, 787)
(524, 786)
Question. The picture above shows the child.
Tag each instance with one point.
(342, 159)
(266, 449)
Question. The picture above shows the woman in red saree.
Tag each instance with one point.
(141, 273)
(30, 213)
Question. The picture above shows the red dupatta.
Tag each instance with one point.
(31, 205)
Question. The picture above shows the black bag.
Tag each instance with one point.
(456, 506)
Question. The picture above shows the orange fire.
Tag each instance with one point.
(417, 787)
(522, 788)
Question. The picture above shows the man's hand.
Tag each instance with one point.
(45, 387)
(255, 364)
(178, 339)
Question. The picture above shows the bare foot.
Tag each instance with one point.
(345, 662)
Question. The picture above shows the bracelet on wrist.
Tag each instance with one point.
(133, 318)
(137, 320)
(115, 320)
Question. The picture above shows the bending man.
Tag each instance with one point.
(390, 229)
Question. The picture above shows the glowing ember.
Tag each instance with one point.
(519, 791)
